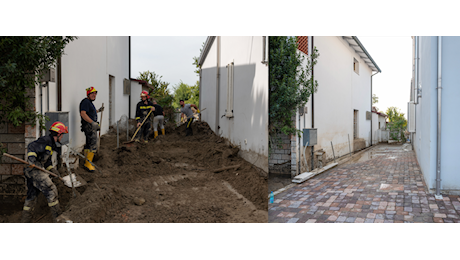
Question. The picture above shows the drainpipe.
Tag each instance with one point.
(59, 85)
(438, 148)
(371, 104)
(312, 104)
(129, 77)
(217, 85)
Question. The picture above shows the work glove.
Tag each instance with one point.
(100, 109)
(95, 125)
(53, 170)
(197, 110)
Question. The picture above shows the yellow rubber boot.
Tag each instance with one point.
(163, 131)
(155, 134)
(89, 158)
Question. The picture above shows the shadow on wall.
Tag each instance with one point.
(249, 108)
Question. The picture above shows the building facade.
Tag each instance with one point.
(432, 112)
(234, 91)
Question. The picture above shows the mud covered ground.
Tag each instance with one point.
(173, 174)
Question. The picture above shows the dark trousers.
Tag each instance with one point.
(91, 137)
(188, 130)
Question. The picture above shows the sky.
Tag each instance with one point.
(170, 57)
(393, 55)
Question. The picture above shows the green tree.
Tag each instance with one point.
(290, 84)
(190, 94)
(160, 93)
(195, 61)
(23, 61)
(397, 123)
(375, 99)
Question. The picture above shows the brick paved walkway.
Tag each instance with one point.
(386, 189)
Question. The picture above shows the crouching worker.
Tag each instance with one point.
(39, 153)
(89, 126)
(187, 115)
(142, 110)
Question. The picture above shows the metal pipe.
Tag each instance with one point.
(333, 151)
(217, 86)
(312, 103)
(438, 148)
(371, 104)
(416, 90)
(118, 135)
(129, 78)
(59, 85)
(47, 96)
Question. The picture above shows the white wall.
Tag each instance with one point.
(425, 137)
(250, 121)
(88, 61)
(340, 91)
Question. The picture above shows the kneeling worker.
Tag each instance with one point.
(39, 153)
(89, 126)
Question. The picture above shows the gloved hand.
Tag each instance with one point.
(53, 170)
(197, 110)
(95, 125)
(100, 109)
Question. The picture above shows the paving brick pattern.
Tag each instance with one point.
(354, 193)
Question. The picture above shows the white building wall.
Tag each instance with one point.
(425, 137)
(249, 126)
(340, 91)
(88, 61)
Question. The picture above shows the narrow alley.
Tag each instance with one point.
(384, 185)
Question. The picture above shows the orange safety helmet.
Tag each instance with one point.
(59, 128)
(90, 90)
(145, 94)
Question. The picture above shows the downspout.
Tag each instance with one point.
(59, 85)
(438, 148)
(371, 104)
(129, 77)
(312, 103)
(217, 85)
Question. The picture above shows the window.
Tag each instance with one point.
(356, 66)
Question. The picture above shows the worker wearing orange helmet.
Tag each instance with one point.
(39, 153)
(89, 126)
(142, 110)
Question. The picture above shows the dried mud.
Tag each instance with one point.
(173, 174)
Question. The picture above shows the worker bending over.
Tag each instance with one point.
(142, 110)
(187, 114)
(158, 119)
(89, 126)
(39, 153)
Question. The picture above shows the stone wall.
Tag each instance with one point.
(279, 161)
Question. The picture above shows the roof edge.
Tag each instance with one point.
(365, 51)
(206, 48)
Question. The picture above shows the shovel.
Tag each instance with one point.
(77, 182)
(132, 139)
(191, 117)
(99, 139)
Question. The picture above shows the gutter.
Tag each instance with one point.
(217, 80)
(129, 76)
(312, 105)
(206, 48)
(365, 51)
(371, 104)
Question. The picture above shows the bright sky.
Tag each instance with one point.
(170, 57)
(393, 55)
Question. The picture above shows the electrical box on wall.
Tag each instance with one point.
(62, 117)
(368, 115)
(310, 136)
(126, 87)
(48, 76)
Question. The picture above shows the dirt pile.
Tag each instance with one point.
(173, 175)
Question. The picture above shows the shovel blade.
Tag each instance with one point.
(77, 181)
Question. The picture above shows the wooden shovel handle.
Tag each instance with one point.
(33, 165)
(141, 125)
